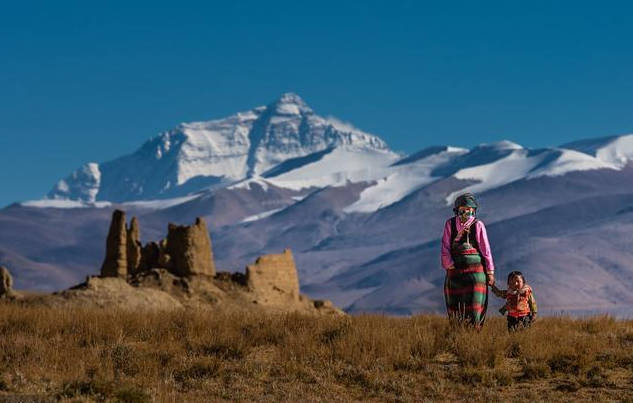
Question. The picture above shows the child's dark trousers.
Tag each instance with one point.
(519, 323)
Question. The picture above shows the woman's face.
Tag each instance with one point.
(465, 212)
(515, 283)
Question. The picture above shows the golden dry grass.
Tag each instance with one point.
(96, 355)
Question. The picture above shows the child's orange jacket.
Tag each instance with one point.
(518, 303)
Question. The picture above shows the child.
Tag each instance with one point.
(520, 303)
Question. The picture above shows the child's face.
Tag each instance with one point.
(515, 283)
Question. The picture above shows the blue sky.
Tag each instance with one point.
(83, 81)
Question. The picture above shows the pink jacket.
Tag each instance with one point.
(482, 240)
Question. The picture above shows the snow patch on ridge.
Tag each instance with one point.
(618, 152)
(248, 183)
(570, 161)
(336, 168)
(63, 204)
(260, 216)
(217, 148)
(160, 204)
(452, 149)
(338, 124)
(402, 180)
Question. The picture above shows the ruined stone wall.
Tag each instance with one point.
(115, 262)
(133, 247)
(273, 278)
(189, 249)
(185, 252)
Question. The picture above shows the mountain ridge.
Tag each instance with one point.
(287, 144)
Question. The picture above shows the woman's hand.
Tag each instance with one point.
(491, 278)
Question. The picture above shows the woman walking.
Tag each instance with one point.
(467, 259)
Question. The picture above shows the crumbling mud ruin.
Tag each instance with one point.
(178, 272)
(185, 252)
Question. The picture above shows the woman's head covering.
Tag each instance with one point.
(466, 199)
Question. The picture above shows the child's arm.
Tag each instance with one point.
(532, 304)
(499, 293)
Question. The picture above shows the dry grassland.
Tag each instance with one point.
(98, 355)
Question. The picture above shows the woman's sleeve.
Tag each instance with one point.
(446, 259)
(484, 246)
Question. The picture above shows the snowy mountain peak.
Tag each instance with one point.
(83, 184)
(290, 103)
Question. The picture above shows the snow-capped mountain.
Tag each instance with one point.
(285, 144)
(200, 155)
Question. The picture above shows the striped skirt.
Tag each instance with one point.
(466, 295)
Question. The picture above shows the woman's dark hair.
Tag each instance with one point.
(516, 273)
